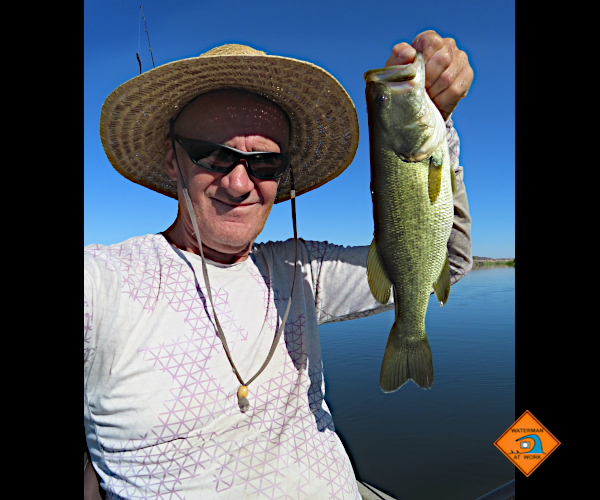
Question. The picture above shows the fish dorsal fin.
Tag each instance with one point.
(442, 286)
(436, 161)
(379, 282)
(453, 181)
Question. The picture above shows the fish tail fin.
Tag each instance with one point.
(406, 358)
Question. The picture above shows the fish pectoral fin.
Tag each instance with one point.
(379, 282)
(453, 181)
(436, 162)
(442, 286)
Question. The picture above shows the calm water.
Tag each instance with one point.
(435, 444)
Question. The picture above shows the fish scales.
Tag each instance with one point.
(419, 235)
(412, 189)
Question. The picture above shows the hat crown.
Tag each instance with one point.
(233, 49)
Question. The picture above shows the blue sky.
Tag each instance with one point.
(346, 38)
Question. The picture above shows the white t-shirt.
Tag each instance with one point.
(161, 412)
(160, 398)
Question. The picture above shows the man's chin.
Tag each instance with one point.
(231, 244)
(235, 235)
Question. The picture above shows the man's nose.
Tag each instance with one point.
(238, 182)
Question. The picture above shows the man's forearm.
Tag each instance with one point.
(459, 244)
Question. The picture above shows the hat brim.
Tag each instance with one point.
(324, 127)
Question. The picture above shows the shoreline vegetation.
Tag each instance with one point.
(488, 262)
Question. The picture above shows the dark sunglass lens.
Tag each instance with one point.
(222, 159)
(212, 156)
(270, 166)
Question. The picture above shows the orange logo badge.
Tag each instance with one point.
(527, 443)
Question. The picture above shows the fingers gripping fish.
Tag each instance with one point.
(412, 185)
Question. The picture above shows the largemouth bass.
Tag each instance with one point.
(412, 185)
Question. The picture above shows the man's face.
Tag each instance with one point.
(231, 209)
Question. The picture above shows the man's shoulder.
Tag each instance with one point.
(308, 250)
(287, 246)
(146, 248)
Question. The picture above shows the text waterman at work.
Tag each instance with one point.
(202, 361)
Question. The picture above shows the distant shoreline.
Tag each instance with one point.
(488, 262)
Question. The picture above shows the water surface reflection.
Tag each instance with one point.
(417, 444)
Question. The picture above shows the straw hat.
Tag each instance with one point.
(324, 129)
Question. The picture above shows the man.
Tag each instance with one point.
(202, 363)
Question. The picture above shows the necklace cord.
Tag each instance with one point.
(287, 309)
(190, 208)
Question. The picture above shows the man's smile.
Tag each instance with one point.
(234, 207)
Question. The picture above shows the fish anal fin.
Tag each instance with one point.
(442, 286)
(379, 282)
(435, 176)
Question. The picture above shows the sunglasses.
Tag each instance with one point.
(223, 159)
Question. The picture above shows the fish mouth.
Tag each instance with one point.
(410, 158)
(400, 79)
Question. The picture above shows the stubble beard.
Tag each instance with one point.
(241, 237)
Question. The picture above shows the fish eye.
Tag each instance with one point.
(382, 99)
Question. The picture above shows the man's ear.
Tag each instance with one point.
(169, 161)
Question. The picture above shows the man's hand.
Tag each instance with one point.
(448, 75)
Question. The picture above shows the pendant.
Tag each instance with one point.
(243, 404)
(242, 401)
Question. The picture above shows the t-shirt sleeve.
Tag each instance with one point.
(459, 244)
(339, 276)
(100, 302)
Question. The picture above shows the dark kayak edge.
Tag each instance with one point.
(504, 492)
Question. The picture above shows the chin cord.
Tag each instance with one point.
(243, 390)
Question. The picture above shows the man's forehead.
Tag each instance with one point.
(231, 106)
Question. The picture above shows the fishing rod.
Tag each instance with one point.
(137, 54)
